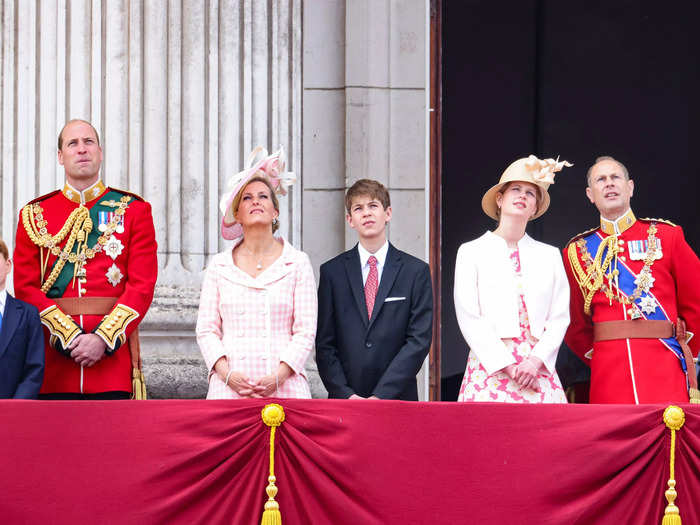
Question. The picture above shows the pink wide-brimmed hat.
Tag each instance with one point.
(259, 163)
(529, 169)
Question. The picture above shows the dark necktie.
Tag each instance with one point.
(371, 285)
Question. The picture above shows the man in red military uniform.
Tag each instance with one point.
(635, 285)
(85, 256)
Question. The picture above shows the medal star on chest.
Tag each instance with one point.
(114, 275)
(645, 281)
(648, 304)
(113, 247)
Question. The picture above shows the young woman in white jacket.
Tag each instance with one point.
(512, 296)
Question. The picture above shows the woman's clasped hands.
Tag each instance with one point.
(525, 373)
(262, 387)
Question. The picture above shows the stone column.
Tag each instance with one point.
(365, 116)
(180, 92)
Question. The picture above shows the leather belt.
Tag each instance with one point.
(86, 305)
(642, 329)
(609, 330)
(100, 306)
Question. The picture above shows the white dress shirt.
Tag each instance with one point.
(3, 300)
(380, 254)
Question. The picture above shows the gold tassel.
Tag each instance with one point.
(138, 384)
(674, 417)
(694, 393)
(272, 416)
(144, 394)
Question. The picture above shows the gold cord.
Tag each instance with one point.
(593, 278)
(674, 418)
(80, 226)
(272, 416)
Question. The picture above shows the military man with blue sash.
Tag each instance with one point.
(85, 256)
(635, 299)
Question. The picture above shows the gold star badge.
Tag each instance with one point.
(114, 275)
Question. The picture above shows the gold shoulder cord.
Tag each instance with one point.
(79, 224)
(592, 280)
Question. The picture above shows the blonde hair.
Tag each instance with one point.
(259, 177)
(538, 200)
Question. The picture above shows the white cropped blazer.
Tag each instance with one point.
(486, 298)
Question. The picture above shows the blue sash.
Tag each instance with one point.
(627, 286)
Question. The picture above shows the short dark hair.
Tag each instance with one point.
(3, 250)
(273, 196)
(367, 188)
(60, 135)
(602, 159)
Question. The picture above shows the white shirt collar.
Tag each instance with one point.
(3, 300)
(380, 254)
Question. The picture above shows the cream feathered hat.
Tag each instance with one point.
(530, 169)
(260, 163)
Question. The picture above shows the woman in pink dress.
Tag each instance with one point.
(257, 314)
(512, 296)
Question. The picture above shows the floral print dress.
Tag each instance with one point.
(477, 385)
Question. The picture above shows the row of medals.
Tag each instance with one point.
(637, 250)
(81, 273)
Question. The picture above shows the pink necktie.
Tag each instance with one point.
(371, 285)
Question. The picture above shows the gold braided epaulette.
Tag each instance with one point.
(130, 193)
(579, 235)
(664, 221)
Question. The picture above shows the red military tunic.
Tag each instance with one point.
(636, 370)
(119, 261)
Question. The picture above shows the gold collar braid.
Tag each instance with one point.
(618, 226)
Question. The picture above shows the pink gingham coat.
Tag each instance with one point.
(256, 322)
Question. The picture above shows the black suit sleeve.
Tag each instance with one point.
(33, 374)
(403, 368)
(330, 367)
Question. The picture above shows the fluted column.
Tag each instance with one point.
(180, 92)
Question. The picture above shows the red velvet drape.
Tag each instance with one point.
(355, 462)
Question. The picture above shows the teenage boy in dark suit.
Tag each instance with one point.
(375, 308)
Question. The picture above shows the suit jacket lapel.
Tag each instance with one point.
(9, 323)
(354, 274)
(389, 273)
